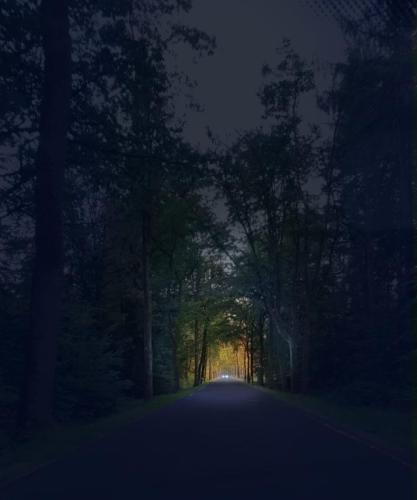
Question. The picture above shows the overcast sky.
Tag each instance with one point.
(247, 34)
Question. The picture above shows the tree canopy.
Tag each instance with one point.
(118, 279)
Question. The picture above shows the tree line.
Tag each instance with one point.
(118, 279)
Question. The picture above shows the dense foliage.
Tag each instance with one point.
(308, 284)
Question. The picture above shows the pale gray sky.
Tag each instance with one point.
(247, 33)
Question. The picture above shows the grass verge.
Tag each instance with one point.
(387, 428)
(19, 459)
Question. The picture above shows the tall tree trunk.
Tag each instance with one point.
(307, 345)
(196, 367)
(204, 367)
(176, 369)
(46, 296)
(244, 363)
(247, 361)
(147, 305)
(173, 333)
(210, 370)
(252, 352)
(291, 382)
(172, 323)
(261, 380)
(269, 371)
(306, 361)
(203, 356)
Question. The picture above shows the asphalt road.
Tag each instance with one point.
(227, 441)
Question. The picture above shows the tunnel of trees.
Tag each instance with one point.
(119, 278)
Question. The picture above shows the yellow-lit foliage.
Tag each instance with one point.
(227, 359)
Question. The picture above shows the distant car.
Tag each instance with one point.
(225, 376)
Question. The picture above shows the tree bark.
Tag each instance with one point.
(203, 357)
(210, 370)
(252, 355)
(248, 362)
(196, 367)
(36, 405)
(244, 364)
(174, 336)
(147, 305)
(261, 380)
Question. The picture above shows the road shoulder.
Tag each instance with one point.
(18, 460)
(388, 432)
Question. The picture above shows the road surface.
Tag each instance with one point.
(227, 441)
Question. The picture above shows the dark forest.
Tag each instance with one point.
(139, 267)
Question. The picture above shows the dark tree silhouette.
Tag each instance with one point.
(37, 396)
